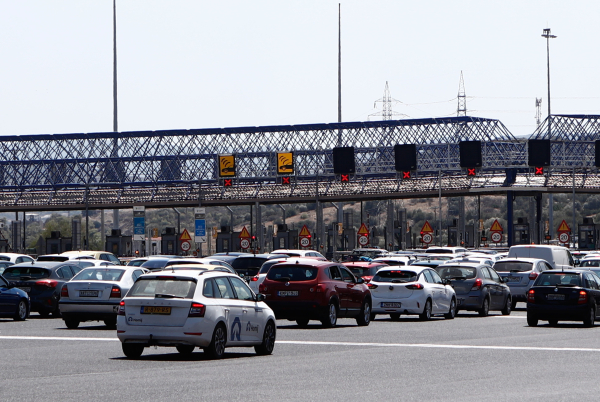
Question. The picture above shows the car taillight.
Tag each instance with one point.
(320, 288)
(115, 292)
(197, 310)
(414, 286)
(583, 297)
(531, 296)
(49, 283)
(372, 286)
(262, 288)
(477, 284)
(64, 292)
(121, 310)
(254, 278)
(533, 275)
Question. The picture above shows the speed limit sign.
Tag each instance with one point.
(564, 237)
(496, 237)
(363, 240)
(427, 238)
(244, 243)
(305, 241)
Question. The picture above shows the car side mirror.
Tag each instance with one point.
(360, 280)
(260, 297)
(448, 282)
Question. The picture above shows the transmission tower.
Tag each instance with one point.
(386, 105)
(461, 110)
(538, 111)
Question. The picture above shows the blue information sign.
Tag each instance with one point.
(200, 232)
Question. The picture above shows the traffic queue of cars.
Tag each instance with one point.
(210, 304)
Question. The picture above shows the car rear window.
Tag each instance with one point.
(61, 258)
(163, 286)
(394, 263)
(154, 263)
(558, 279)
(12, 273)
(456, 272)
(395, 276)
(99, 274)
(247, 263)
(590, 263)
(370, 271)
(267, 265)
(292, 273)
(508, 266)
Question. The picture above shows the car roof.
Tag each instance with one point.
(517, 259)
(43, 264)
(468, 264)
(414, 268)
(184, 273)
(364, 264)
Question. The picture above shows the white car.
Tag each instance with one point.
(185, 309)
(94, 294)
(395, 260)
(411, 290)
(300, 253)
(16, 258)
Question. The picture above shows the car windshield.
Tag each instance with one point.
(395, 276)
(558, 279)
(164, 287)
(99, 274)
(32, 272)
(590, 263)
(292, 273)
(511, 266)
(248, 263)
(457, 272)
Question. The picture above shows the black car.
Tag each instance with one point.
(14, 302)
(248, 265)
(43, 282)
(564, 295)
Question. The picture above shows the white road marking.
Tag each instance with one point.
(361, 344)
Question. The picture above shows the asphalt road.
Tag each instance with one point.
(466, 359)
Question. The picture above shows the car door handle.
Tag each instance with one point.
(245, 311)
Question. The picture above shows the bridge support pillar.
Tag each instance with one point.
(538, 218)
(509, 217)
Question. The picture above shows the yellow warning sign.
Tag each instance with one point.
(304, 231)
(244, 234)
(563, 227)
(285, 163)
(426, 228)
(226, 165)
(363, 231)
(185, 236)
(496, 227)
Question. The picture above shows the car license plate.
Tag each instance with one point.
(155, 310)
(284, 293)
(556, 297)
(88, 293)
(383, 305)
(26, 289)
(514, 279)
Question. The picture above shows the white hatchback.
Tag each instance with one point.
(185, 309)
(411, 290)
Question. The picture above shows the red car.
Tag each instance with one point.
(365, 269)
(319, 290)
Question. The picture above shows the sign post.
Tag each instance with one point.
(244, 239)
(363, 235)
(426, 233)
(200, 226)
(564, 235)
(139, 222)
(305, 237)
(497, 231)
(184, 241)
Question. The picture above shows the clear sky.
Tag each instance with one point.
(186, 64)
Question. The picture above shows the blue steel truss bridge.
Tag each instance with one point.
(181, 167)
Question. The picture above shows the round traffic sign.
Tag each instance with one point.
(564, 237)
(427, 238)
(245, 243)
(496, 237)
(305, 241)
(185, 245)
(363, 240)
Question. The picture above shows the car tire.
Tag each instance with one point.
(591, 318)
(532, 320)
(302, 322)
(452, 312)
(71, 324)
(185, 349)
(330, 320)
(21, 312)
(395, 316)
(111, 323)
(216, 349)
(552, 323)
(484, 311)
(507, 307)
(364, 318)
(268, 342)
(132, 350)
(426, 314)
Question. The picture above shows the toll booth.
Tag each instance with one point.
(469, 238)
(285, 238)
(521, 232)
(349, 238)
(118, 244)
(588, 235)
(228, 241)
(452, 236)
(56, 244)
(4, 246)
(169, 242)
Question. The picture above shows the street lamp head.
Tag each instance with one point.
(546, 34)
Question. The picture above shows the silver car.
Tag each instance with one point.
(519, 274)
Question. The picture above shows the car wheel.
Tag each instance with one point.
(395, 316)
(185, 349)
(111, 323)
(552, 322)
(71, 324)
(364, 318)
(21, 313)
(302, 322)
(426, 314)
(452, 312)
(330, 320)
(507, 307)
(591, 318)
(216, 349)
(532, 320)
(132, 350)
(485, 308)
(268, 343)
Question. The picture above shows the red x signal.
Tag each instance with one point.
(345, 178)
(406, 174)
(285, 180)
(227, 183)
(539, 171)
(471, 172)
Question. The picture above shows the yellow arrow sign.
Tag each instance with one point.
(563, 227)
(363, 231)
(426, 228)
(185, 236)
(244, 234)
(304, 231)
(496, 227)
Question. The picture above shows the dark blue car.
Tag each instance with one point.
(14, 302)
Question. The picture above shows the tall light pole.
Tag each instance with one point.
(546, 34)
